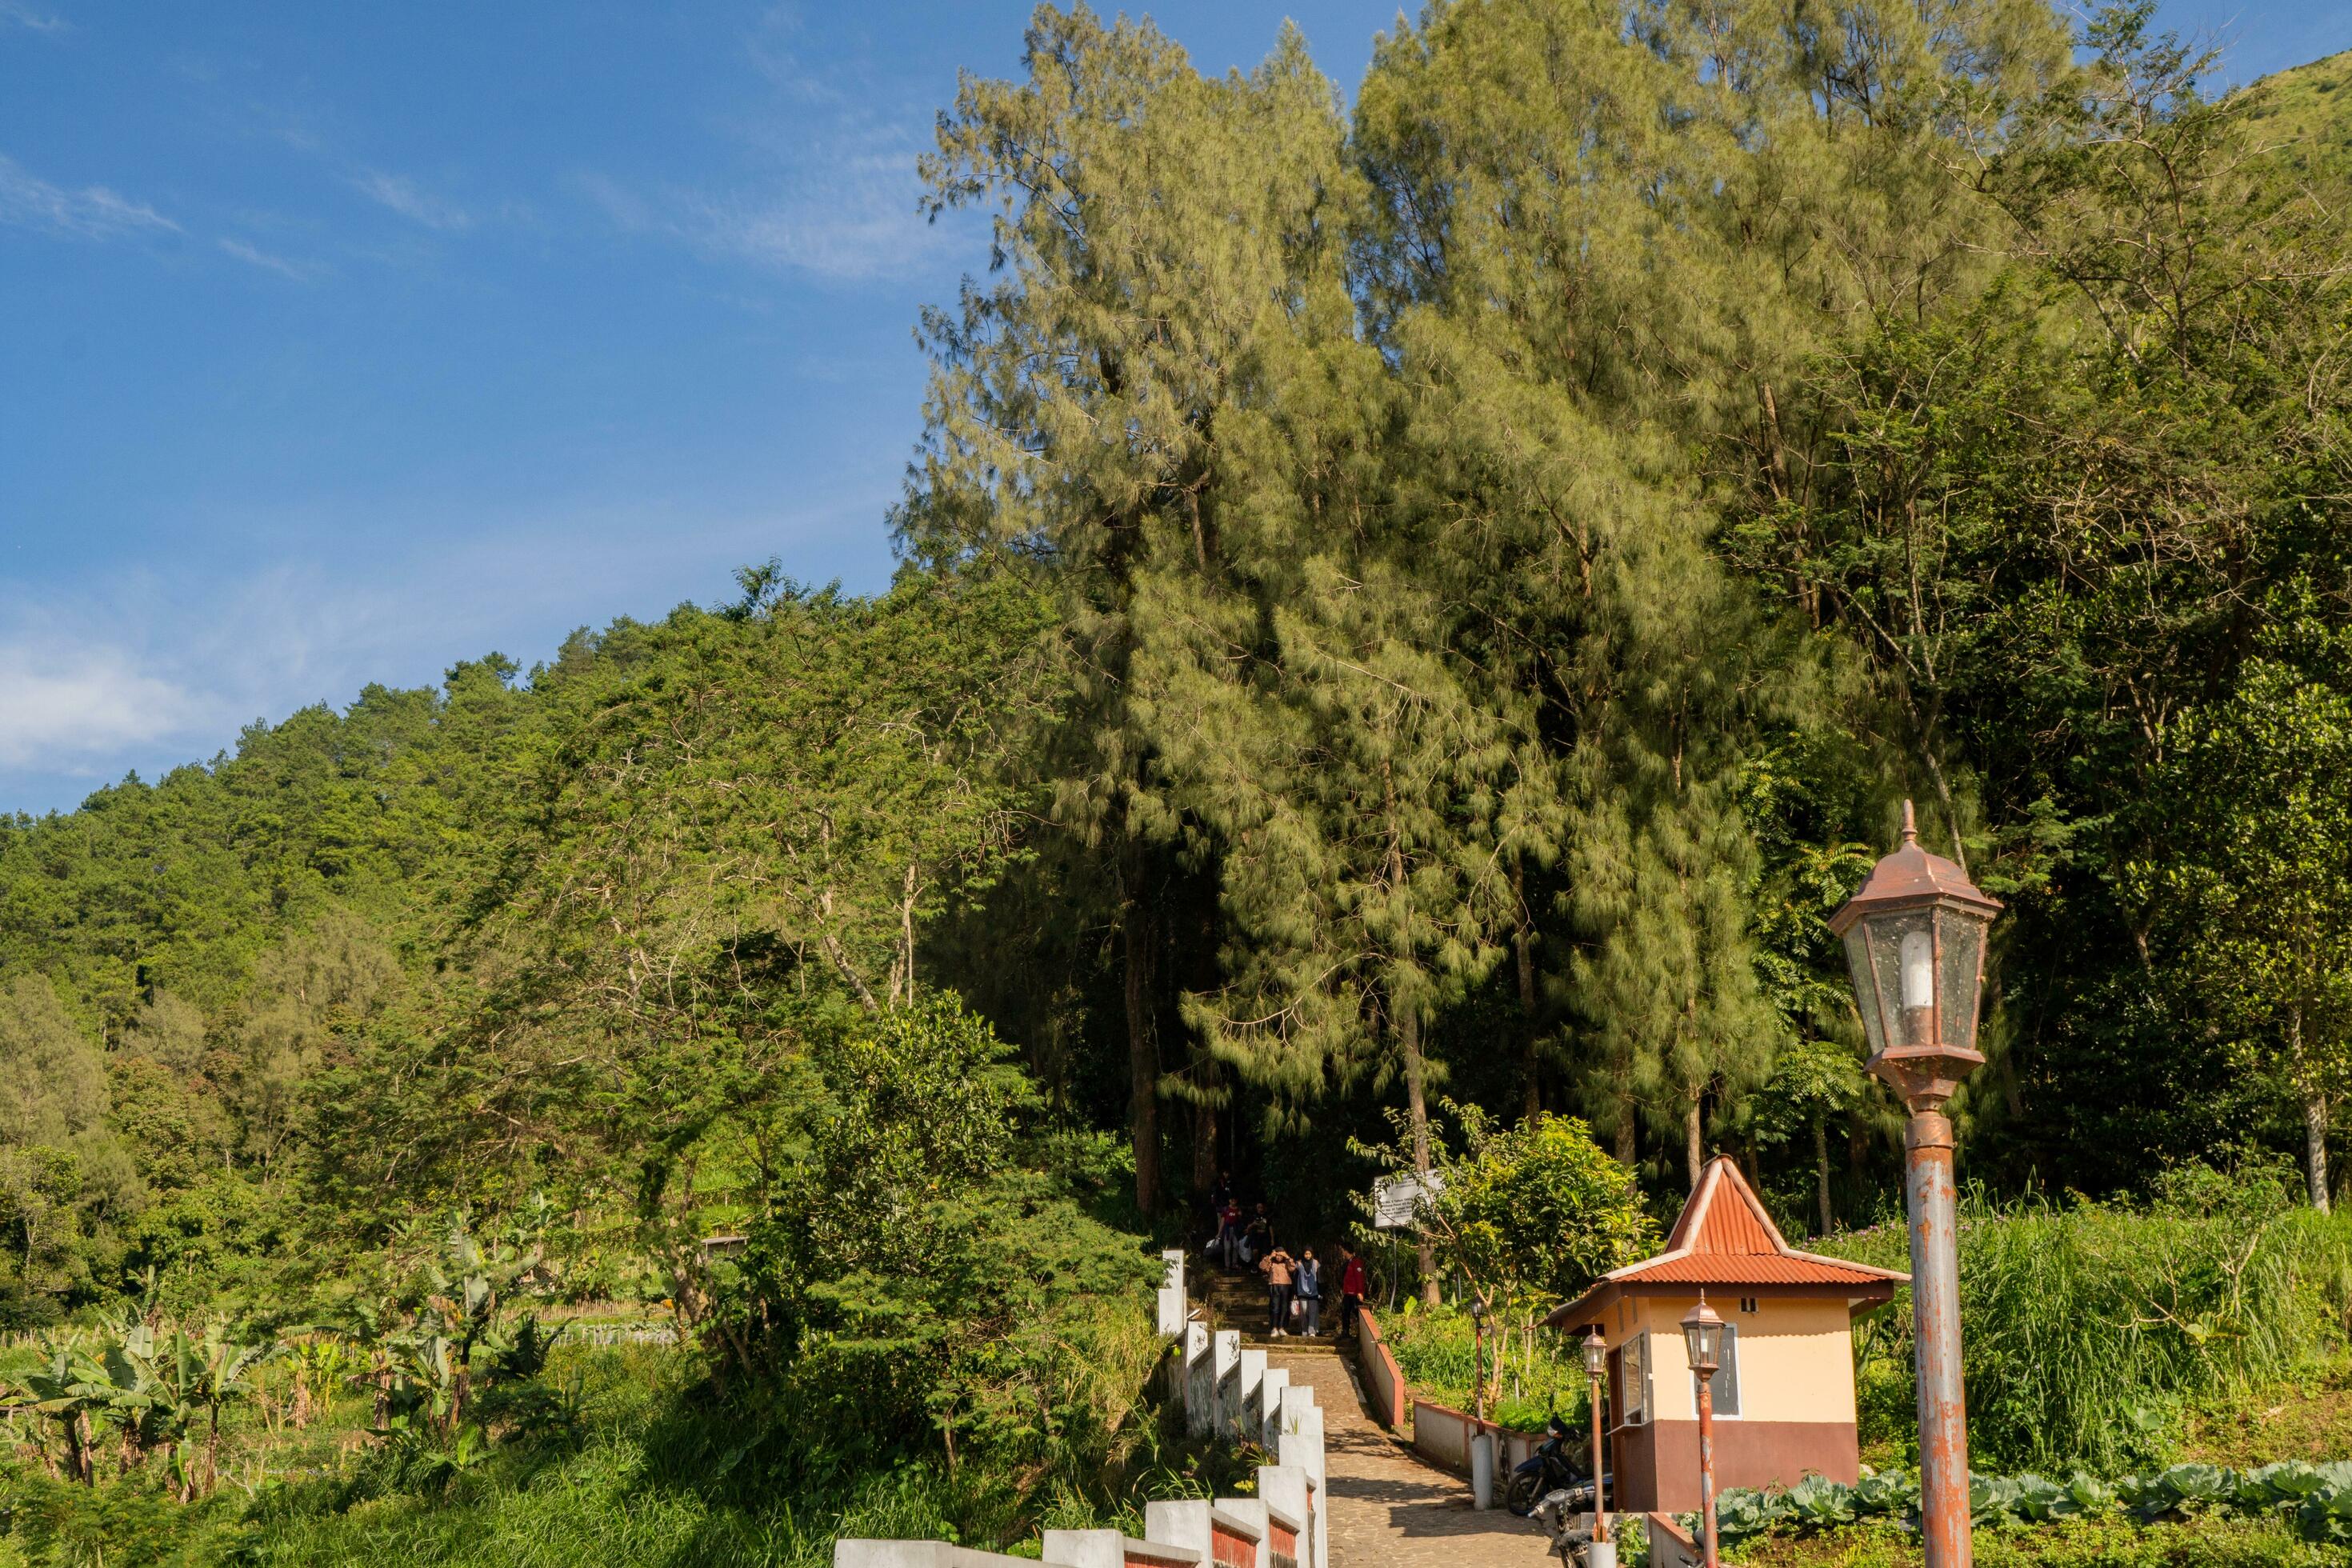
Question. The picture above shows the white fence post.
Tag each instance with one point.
(1226, 1350)
(1183, 1522)
(1246, 1396)
(1172, 1294)
(1200, 1381)
(1270, 1389)
(1251, 1512)
(1285, 1491)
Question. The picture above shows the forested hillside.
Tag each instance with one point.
(1439, 598)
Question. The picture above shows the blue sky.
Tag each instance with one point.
(342, 341)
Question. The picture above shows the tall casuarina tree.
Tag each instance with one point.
(1157, 239)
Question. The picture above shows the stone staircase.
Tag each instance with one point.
(1236, 1300)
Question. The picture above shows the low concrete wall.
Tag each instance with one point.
(1669, 1546)
(1441, 1434)
(1383, 1383)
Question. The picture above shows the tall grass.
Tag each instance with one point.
(1436, 1351)
(2089, 1329)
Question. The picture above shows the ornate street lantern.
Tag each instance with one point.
(1703, 1348)
(1915, 938)
(1702, 1339)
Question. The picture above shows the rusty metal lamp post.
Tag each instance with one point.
(1596, 1362)
(1915, 939)
(1703, 1347)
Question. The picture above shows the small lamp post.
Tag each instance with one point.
(1596, 1365)
(1703, 1347)
(1477, 1358)
(1915, 939)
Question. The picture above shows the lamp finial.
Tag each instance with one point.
(1910, 825)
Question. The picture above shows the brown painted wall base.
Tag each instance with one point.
(1657, 1464)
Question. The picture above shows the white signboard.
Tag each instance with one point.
(1394, 1198)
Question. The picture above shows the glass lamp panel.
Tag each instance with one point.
(1961, 936)
(1890, 933)
(1865, 985)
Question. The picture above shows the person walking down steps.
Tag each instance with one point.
(1307, 1286)
(1278, 1268)
(1351, 1289)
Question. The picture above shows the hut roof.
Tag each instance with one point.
(1724, 1237)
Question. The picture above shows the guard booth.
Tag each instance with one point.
(1784, 1395)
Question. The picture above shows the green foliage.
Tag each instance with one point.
(2089, 1327)
(2313, 1500)
(1531, 1375)
(1475, 567)
(933, 1266)
(2258, 888)
(1529, 1215)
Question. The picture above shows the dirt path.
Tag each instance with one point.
(1389, 1510)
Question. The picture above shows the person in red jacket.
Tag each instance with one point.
(1351, 1287)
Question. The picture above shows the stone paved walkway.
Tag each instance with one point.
(1389, 1509)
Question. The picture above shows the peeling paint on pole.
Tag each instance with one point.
(1935, 1318)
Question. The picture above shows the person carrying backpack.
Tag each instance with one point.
(1307, 1287)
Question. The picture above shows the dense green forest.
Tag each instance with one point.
(1433, 596)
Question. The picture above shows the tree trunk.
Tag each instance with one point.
(2314, 1148)
(1627, 1154)
(1693, 1142)
(1204, 1132)
(2314, 1118)
(1416, 1101)
(1137, 929)
(1822, 1170)
(1523, 942)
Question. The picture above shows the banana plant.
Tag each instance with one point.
(320, 1363)
(199, 1374)
(149, 1407)
(225, 1372)
(73, 1389)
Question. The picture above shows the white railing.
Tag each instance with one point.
(1227, 1392)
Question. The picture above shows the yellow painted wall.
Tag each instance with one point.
(1796, 1355)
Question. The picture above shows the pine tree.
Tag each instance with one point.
(1159, 248)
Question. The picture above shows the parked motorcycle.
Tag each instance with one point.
(1566, 1516)
(1551, 1468)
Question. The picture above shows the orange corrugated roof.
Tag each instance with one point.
(1726, 1237)
(1750, 1269)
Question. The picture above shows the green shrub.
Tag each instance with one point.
(1542, 1372)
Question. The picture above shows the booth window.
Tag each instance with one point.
(1630, 1374)
(1726, 1380)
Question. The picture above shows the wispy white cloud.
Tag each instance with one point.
(145, 671)
(403, 195)
(16, 14)
(843, 208)
(94, 212)
(66, 708)
(253, 256)
(829, 185)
